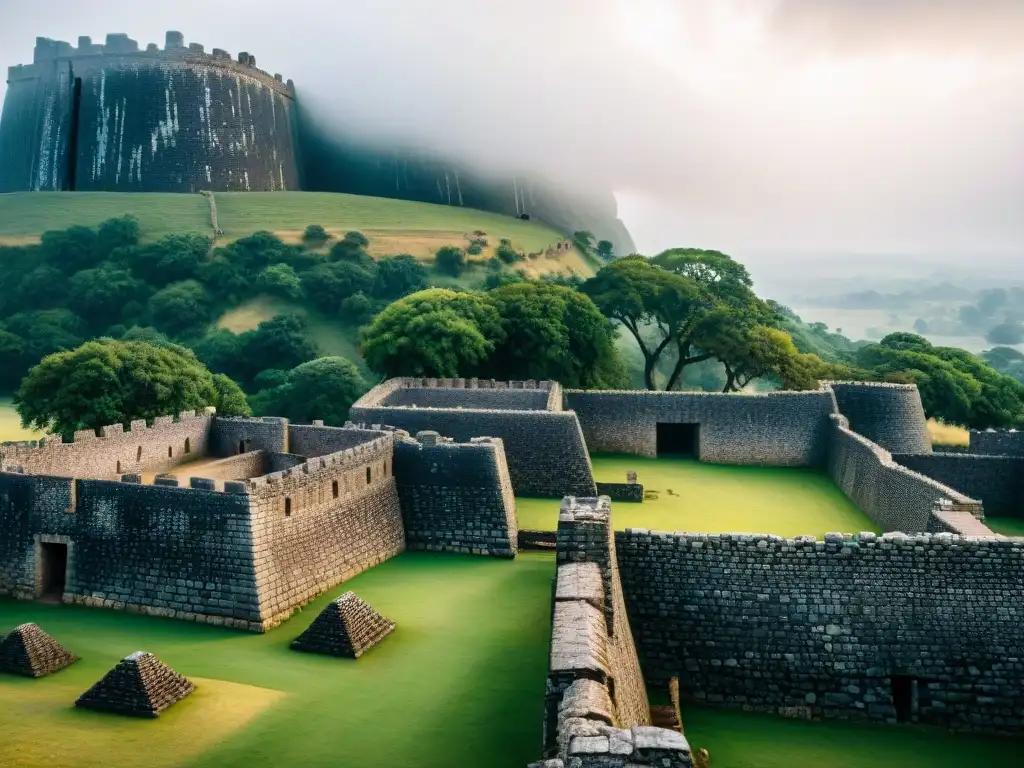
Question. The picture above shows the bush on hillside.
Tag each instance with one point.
(315, 235)
(399, 276)
(324, 388)
(181, 308)
(450, 260)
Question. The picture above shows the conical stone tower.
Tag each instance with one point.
(27, 650)
(346, 627)
(139, 685)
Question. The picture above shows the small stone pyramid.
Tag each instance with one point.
(27, 650)
(139, 685)
(346, 627)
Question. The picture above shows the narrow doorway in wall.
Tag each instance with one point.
(243, 446)
(904, 691)
(678, 439)
(53, 571)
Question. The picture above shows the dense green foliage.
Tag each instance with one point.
(324, 389)
(110, 382)
(450, 260)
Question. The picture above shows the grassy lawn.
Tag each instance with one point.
(714, 498)
(10, 423)
(459, 682)
(1008, 526)
(745, 740)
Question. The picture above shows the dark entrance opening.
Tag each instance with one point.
(903, 697)
(677, 439)
(243, 446)
(54, 567)
(76, 107)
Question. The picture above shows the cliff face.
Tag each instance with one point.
(331, 163)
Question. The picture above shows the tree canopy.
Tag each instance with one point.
(324, 388)
(110, 382)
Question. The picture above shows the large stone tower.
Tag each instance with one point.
(112, 117)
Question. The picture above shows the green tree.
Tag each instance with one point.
(122, 232)
(170, 259)
(553, 332)
(436, 332)
(42, 288)
(956, 386)
(450, 260)
(399, 276)
(101, 294)
(12, 355)
(280, 280)
(44, 332)
(324, 388)
(71, 250)
(351, 248)
(181, 308)
(606, 249)
(109, 382)
(328, 284)
(225, 279)
(281, 342)
(746, 349)
(584, 240)
(315, 236)
(660, 309)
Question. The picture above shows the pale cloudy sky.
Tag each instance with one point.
(785, 126)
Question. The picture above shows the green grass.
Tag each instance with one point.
(331, 337)
(10, 423)
(745, 740)
(29, 214)
(1008, 526)
(460, 681)
(714, 498)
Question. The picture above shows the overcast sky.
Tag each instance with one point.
(745, 125)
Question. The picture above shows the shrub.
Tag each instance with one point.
(450, 260)
(315, 235)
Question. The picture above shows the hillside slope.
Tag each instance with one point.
(393, 226)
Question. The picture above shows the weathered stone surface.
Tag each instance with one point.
(140, 685)
(29, 651)
(346, 627)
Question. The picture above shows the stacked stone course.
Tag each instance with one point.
(808, 628)
(140, 685)
(782, 429)
(1009, 442)
(28, 651)
(545, 449)
(347, 627)
(890, 415)
(456, 497)
(996, 481)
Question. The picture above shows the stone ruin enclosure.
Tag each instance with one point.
(238, 522)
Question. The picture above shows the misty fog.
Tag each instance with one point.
(812, 139)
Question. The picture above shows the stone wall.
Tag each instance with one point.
(241, 434)
(920, 627)
(996, 481)
(117, 451)
(456, 497)
(112, 117)
(631, 492)
(545, 450)
(316, 440)
(165, 551)
(888, 414)
(1008, 442)
(785, 428)
(321, 523)
(596, 711)
(488, 399)
(892, 495)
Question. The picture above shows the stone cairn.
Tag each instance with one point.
(28, 650)
(140, 685)
(346, 627)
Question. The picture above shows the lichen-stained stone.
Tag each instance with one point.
(346, 627)
(140, 685)
(29, 651)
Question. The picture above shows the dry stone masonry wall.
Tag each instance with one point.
(545, 450)
(596, 708)
(997, 442)
(785, 429)
(996, 481)
(888, 414)
(456, 497)
(892, 495)
(924, 628)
